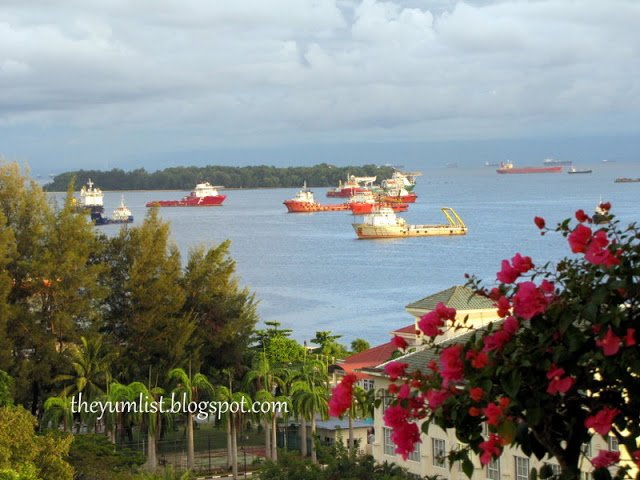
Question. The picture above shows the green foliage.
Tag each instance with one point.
(359, 345)
(95, 458)
(338, 464)
(184, 178)
(22, 451)
(6, 389)
(328, 345)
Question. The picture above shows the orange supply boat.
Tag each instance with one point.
(304, 202)
(507, 167)
(363, 203)
(204, 195)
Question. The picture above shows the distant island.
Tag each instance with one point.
(184, 178)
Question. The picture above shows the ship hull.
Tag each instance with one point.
(364, 231)
(410, 198)
(211, 201)
(530, 170)
(358, 208)
(346, 192)
(306, 207)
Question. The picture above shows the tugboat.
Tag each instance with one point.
(406, 180)
(204, 195)
(352, 186)
(601, 215)
(364, 202)
(91, 199)
(305, 202)
(578, 170)
(383, 223)
(121, 214)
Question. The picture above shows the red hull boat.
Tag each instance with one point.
(204, 195)
(358, 208)
(304, 202)
(509, 168)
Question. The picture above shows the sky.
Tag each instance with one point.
(157, 83)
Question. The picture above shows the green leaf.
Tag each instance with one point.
(511, 383)
(467, 467)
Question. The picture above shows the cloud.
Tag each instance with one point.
(217, 72)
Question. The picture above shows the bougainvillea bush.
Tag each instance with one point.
(560, 366)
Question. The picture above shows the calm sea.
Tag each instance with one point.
(310, 273)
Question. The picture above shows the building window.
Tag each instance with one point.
(367, 384)
(438, 449)
(493, 469)
(389, 446)
(415, 455)
(613, 443)
(586, 449)
(522, 468)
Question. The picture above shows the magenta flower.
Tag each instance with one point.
(558, 383)
(341, 396)
(452, 365)
(530, 301)
(605, 459)
(399, 342)
(610, 343)
(601, 421)
(491, 448)
(508, 274)
(395, 369)
(579, 239)
(430, 324)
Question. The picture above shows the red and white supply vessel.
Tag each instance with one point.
(204, 195)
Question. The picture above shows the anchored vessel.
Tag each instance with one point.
(364, 202)
(383, 223)
(121, 214)
(601, 214)
(305, 202)
(553, 161)
(352, 186)
(91, 199)
(507, 167)
(579, 170)
(204, 195)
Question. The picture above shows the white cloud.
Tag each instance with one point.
(282, 69)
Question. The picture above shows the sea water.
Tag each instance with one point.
(310, 273)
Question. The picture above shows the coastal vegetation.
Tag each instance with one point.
(122, 318)
(184, 178)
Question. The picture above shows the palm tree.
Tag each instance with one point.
(190, 389)
(115, 420)
(150, 417)
(362, 406)
(266, 380)
(233, 421)
(310, 397)
(59, 409)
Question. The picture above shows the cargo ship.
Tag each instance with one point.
(121, 214)
(507, 167)
(383, 223)
(352, 186)
(304, 202)
(204, 195)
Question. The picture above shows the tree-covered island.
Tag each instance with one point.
(184, 178)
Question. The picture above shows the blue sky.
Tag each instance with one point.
(114, 83)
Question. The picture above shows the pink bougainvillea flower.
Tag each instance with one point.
(539, 221)
(430, 324)
(610, 343)
(405, 436)
(522, 264)
(451, 364)
(504, 306)
(558, 383)
(395, 369)
(605, 206)
(601, 421)
(474, 411)
(494, 413)
(636, 457)
(399, 342)
(529, 300)
(629, 338)
(476, 394)
(404, 391)
(395, 415)
(491, 448)
(435, 398)
(341, 396)
(507, 274)
(581, 216)
(605, 459)
(478, 359)
(446, 313)
(579, 239)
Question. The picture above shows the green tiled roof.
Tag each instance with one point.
(458, 297)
